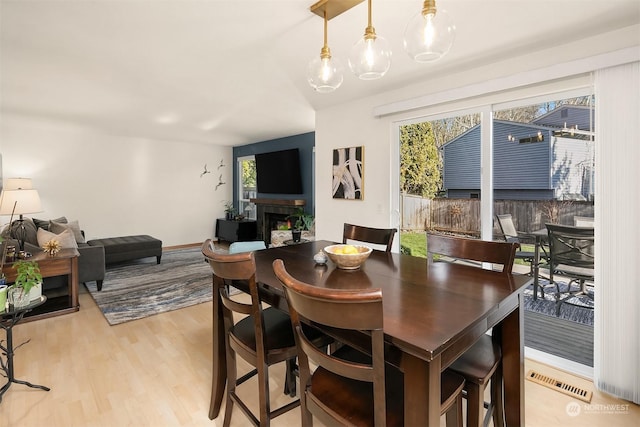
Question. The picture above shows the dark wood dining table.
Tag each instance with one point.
(432, 314)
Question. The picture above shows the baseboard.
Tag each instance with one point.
(185, 246)
(556, 362)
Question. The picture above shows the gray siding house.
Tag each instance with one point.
(532, 161)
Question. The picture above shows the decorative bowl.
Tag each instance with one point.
(347, 261)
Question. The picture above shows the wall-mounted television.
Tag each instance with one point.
(278, 172)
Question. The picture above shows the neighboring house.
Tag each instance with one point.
(532, 161)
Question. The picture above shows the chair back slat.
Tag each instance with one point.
(376, 236)
(502, 253)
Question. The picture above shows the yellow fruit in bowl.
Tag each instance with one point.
(349, 249)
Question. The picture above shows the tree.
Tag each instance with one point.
(249, 173)
(420, 162)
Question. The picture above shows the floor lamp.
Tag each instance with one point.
(18, 197)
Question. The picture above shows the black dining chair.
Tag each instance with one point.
(482, 363)
(376, 236)
(350, 387)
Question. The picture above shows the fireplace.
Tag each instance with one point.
(271, 212)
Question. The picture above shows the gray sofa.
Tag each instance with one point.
(91, 265)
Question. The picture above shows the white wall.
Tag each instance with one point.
(117, 186)
(354, 123)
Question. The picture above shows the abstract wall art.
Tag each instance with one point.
(348, 173)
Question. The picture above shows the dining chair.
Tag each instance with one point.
(482, 363)
(571, 255)
(350, 387)
(376, 236)
(263, 338)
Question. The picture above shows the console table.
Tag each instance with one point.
(64, 263)
(236, 231)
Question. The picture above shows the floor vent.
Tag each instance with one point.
(561, 386)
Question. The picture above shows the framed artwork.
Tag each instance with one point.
(348, 173)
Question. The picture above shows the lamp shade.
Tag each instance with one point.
(18, 184)
(25, 202)
(429, 34)
(370, 57)
(324, 73)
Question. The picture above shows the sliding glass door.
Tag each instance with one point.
(532, 159)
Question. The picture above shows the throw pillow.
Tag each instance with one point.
(44, 223)
(59, 227)
(66, 238)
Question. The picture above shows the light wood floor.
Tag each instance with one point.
(157, 372)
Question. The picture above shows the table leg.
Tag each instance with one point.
(421, 391)
(219, 372)
(8, 365)
(512, 339)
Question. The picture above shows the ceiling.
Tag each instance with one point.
(232, 72)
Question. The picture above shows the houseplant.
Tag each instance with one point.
(229, 210)
(28, 282)
(301, 221)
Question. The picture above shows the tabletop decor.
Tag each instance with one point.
(348, 257)
(28, 283)
(52, 247)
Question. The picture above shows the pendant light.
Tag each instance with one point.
(370, 57)
(324, 73)
(429, 34)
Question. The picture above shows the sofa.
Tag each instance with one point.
(91, 262)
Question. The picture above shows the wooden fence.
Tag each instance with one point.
(462, 216)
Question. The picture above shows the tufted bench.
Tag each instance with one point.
(128, 248)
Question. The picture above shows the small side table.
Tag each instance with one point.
(8, 319)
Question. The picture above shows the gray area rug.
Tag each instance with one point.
(143, 288)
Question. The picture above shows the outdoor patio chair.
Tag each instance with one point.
(570, 256)
(511, 235)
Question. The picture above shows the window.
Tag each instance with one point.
(247, 186)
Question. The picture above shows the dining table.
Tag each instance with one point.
(433, 312)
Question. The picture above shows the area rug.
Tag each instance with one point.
(579, 309)
(143, 288)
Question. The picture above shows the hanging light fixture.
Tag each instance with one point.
(324, 73)
(370, 57)
(429, 34)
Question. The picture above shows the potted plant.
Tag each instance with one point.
(302, 221)
(28, 282)
(229, 210)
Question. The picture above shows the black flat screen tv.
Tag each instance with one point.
(278, 172)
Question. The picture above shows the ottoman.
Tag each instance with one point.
(128, 248)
